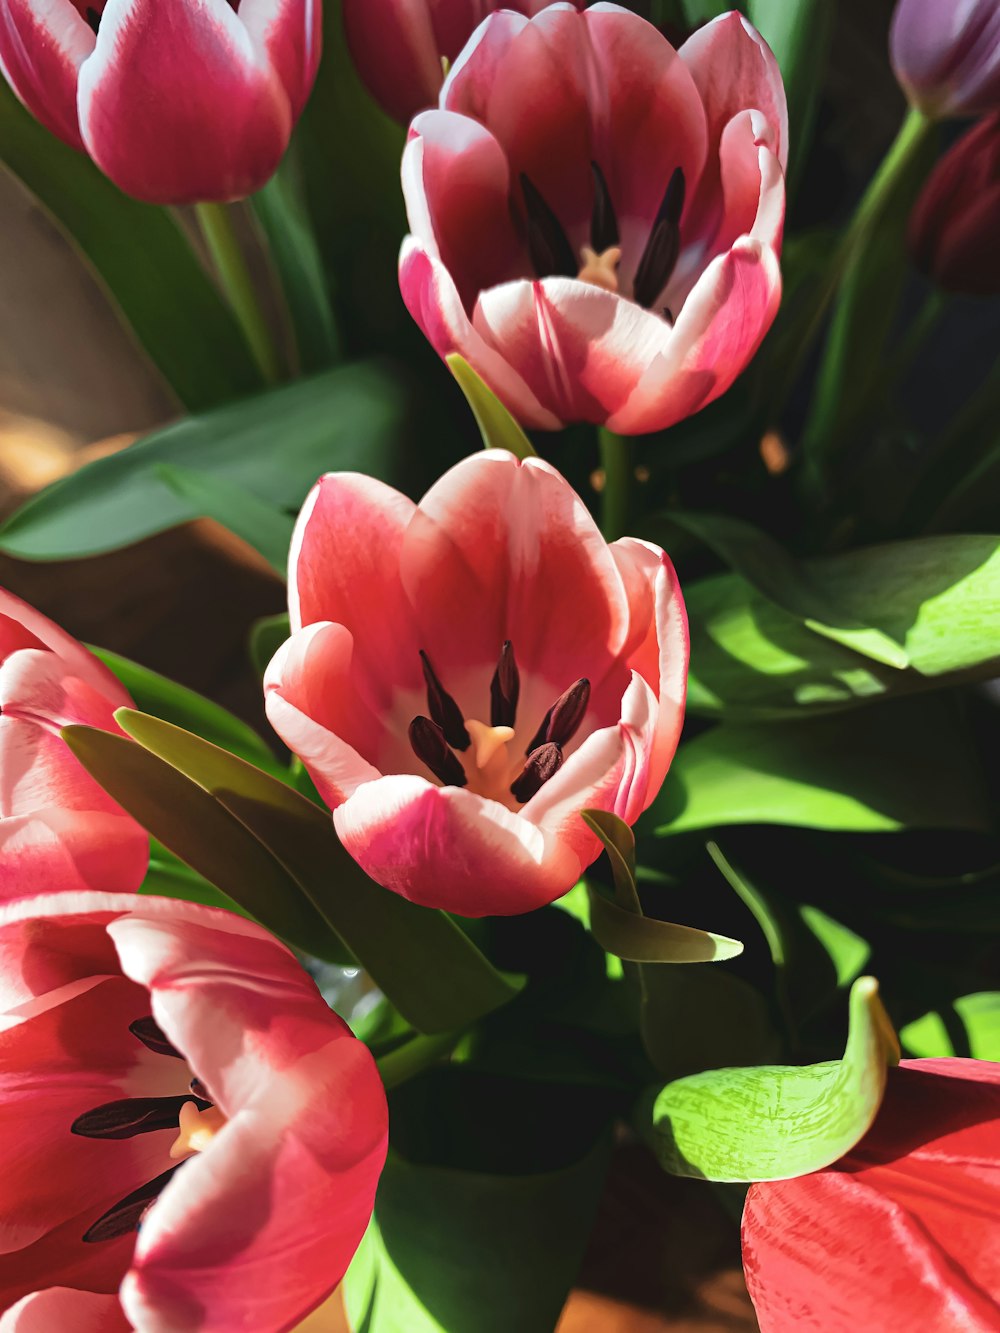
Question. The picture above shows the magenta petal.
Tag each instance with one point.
(65, 1309)
(290, 34)
(43, 43)
(397, 53)
(177, 106)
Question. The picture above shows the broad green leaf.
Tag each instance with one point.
(266, 637)
(266, 529)
(273, 446)
(696, 1018)
(499, 429)
(428, 968)
(619, 843)
(969, 1027)
(776, 1122)
(142, 258)
(783, 580)
(847, 951)
(936, 596)
(169, 877)
(153, 693)
(906, 764)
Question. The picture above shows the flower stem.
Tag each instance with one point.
(416, 1056)
(616, 461)
(216, 225)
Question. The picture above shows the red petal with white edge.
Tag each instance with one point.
(580, 349)
(446, 847)
(283, 1193)
(290, 34)
(67, 1310)
(178, 106)
(21, 626)
(43, 43)
(430, 295)
(719, 329)
(501, 549)
(457, 186)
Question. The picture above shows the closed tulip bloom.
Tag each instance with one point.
(193, 1139)
(58, 828)
(946, 54)
(401, 47)
(596, 217)
(185, 102)
(467, 674)
(955, 226)
(903, 1232)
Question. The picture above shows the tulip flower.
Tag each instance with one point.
(58, 829)
(902, 1233)
(401, 48)
(184, 102)
(193, 1139)
(467, 674)
(946, 54)
(596, 217)
(955, 224)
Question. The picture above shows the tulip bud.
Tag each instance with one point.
(946, 54)
(954, 226)
(401, 47)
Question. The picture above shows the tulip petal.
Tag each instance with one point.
(720, 327)
(290, 34)
(177, 106)
(21, 626)
(397, 53)
(446, 847)
(43, 43)
(65, 1309)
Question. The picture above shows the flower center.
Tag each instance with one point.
(197, 1129)
(464, 752)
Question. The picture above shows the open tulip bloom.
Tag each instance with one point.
(596, 217)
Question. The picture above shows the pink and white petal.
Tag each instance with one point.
(37, 686)
(43, 43)
(580, 349)
(753, 187)
(38, 771)
(457, 187)
(397, 52)
(446, 847)
(177, 106)
(502, 549)
(21, 626)
(290, 34)
(735, 70)
(719, 329)
(67, 1309)
(430, 295)
(55, 850)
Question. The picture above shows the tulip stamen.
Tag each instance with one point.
(561, 722)
(604, 233)
(664, 245)
(131, 1116)
(149, 1033)
(430, 745)
(551, 253)
(127, 1213)
(541, 764)
(505, 689)
(443, 709)
(94, 19)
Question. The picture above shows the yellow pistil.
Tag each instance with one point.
(601, 270)
(489, 747)
(197, 1129)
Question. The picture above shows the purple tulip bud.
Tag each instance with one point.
(946, 54)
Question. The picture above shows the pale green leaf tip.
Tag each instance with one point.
(498, 428)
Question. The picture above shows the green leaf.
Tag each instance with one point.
(619, 843)
(429, 969)
(498, 427)
(847, 951)
(774, 1123)
(142, 258)
(970, 1026)
(906, 764)
(695, 1018)
(273, 446)
(169, 877)
(153, 693)
(936, 596)
(266, 529)
(266, 637)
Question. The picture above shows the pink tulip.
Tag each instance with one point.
(903, 1232)
(170, 1069)
(58, 829)
(183, 102)
(946, 54)
(596, 217)
(467, 674)
(400, 47)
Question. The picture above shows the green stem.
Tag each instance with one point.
(216, 225)
(616, 461)
(416, 1056)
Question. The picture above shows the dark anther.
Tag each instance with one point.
(127, 1213)
(431, 748)
(561, 721)
(132, 1116)
(505, 689)
(663, 247)
(199, 1090)
(94, 19)
(668, 314)
(603, 222)
(540, 765)
(148, 1032)
(443, 708)
(551, 252)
